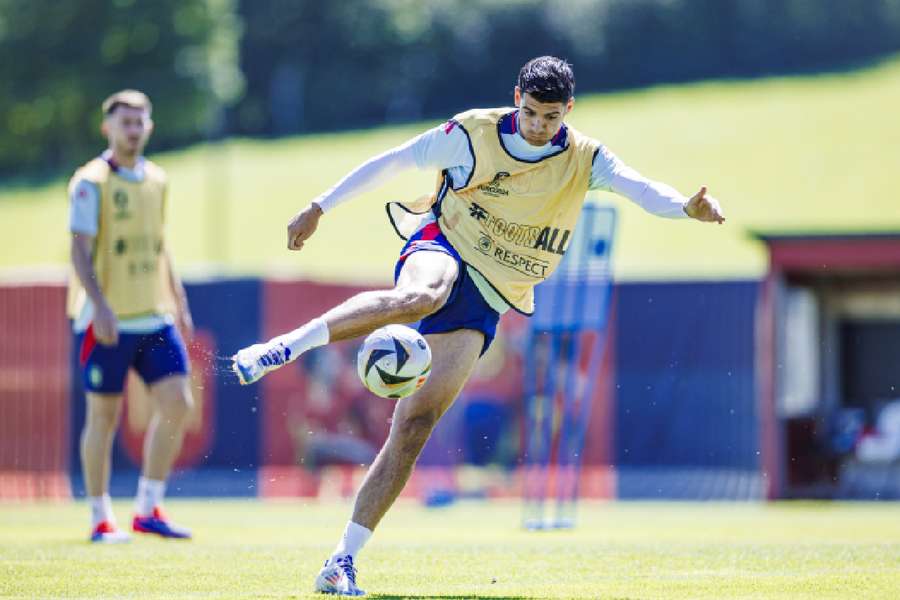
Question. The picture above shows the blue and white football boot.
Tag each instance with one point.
(251, 363)
(157, 523)
(338, 577)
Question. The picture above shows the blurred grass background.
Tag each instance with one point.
(812, 153)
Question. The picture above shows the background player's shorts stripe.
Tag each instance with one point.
(88, 341)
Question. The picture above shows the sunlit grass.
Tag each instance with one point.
(250, 549)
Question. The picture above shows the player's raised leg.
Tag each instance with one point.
(103, 412)
(422, 288)
(454, 355)
(172, 401)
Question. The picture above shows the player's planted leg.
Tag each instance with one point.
(422, 288)
(172, 399)
(454, 355)
(103, 412)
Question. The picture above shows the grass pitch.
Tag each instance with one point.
(254, 549)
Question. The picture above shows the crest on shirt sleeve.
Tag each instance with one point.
(81, 192)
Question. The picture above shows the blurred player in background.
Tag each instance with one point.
(124, 300)
(511, 186)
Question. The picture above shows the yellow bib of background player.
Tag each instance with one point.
(513, 220)
(127, 252)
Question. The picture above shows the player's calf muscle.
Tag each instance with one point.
(412, 431)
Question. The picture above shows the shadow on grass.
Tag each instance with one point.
(456, 597)
(464, 597)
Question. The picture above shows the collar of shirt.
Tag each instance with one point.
(519, 146)
(136, 174)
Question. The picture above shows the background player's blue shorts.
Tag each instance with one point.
(465, 308)
(153, 355)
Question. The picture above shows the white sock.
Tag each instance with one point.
(354, 538)
(309, 336)
(150, 493)
(101, 510)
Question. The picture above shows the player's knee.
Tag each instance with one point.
(103, 414)
(422, 302)
(177, 405)
(103, 421)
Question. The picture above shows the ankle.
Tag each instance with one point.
(305, 338)
(352, 541)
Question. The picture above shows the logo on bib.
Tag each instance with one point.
(120, 200)
(493, 188)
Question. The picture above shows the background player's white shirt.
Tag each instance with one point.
(447, 147)
(84, 218)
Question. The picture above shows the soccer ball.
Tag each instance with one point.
(394, 361)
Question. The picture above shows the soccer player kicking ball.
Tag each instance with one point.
(511, 187)
(122, 299)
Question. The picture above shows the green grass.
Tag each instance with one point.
(794, 153)
(250, 549)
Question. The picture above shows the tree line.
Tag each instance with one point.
(279, 67)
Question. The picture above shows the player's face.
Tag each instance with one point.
(128, 130)
(539, 121)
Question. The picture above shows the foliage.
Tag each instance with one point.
(314, 66)
(310, 65)
(61, 59)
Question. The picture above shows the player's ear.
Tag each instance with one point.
(517, 95)
(149, 125)
(104, 127)
(570, 104)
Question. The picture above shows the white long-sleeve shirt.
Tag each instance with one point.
(447, 147)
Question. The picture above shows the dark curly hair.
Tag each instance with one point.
(547, 79)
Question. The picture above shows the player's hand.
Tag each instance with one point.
(106, 326)
(302, 226)
(704, 208)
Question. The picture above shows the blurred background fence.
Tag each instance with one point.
(674, 416)
(738, 366)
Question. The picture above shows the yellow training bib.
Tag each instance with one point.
(513, 220)
(127, 254)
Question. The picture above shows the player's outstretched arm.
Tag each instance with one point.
(609, 173)
(704, 208)
(442, 147)
(363, 178)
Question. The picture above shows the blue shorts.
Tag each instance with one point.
(153, 355)
(465, 308)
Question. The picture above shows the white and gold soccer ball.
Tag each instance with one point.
(394, 361)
